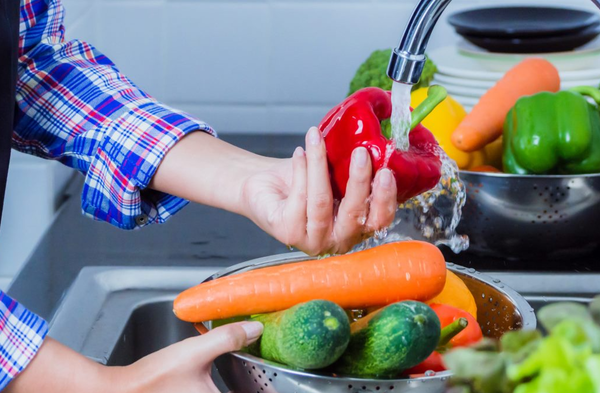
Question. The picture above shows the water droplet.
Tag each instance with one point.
(429, 373)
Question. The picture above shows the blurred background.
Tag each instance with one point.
(251, 66)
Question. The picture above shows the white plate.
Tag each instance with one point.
(450, 62)
(444, 80)
(584, 58)
(464, 91)
(465, 101)
(450, 82)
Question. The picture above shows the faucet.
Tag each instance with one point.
(408, 59)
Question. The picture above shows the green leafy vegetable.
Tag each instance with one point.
(566, 360)
(595, 309)
(373, 73)
(552, 314)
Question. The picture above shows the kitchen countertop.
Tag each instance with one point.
(197, 236)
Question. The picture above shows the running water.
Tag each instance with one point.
(434, 215)
(401, 115)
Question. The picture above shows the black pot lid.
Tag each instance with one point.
(562, 43)
(522, 22)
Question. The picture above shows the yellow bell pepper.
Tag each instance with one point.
(456, 294)
(442, 122)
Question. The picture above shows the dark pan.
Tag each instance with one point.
(521, 22)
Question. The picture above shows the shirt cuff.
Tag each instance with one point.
(21, 336)
(130, 153)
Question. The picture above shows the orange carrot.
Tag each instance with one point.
(485, 122)
(377, 276)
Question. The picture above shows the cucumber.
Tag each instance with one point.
(390, 340)
(310, 335)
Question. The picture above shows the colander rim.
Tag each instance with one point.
(530, 177)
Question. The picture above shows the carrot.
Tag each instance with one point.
(485, 122)
(381, 275)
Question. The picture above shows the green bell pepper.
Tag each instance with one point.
(553, 133)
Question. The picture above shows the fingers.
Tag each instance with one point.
(354, 209)
(227, 338)
(383, 203)
(295, 212)
(320, 198)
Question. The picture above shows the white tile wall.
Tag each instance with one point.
(251, 65)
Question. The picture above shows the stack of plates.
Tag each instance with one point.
(467, 71)
(527, 29)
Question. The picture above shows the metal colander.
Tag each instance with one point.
(525, 217)
(499, 309)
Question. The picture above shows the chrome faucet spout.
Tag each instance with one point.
(408, 59)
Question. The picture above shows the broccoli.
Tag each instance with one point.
(373, 72)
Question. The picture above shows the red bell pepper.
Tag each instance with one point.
(435, 362)
(448, 314)
(357, 122)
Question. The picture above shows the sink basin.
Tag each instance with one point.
(116, 316)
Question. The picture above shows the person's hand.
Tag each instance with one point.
(292, 200)
(182, 367)
(186, 366)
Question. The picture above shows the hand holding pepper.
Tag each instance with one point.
(356, 122)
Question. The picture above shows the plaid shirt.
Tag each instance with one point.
(75, 106)
(21, 335)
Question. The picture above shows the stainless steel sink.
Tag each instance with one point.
(116, 316)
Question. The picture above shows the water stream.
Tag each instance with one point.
(401, 118)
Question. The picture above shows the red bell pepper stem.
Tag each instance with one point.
(435, 95)
(451, 331)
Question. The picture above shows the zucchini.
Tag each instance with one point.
(310, 335)
(390, 340)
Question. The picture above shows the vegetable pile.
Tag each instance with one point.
(543, 130)
(523, 125)
(405, 311)
(566, 360)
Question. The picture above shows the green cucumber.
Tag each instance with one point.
(310, 335)
(390, 340)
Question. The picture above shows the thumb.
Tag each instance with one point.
(229, 338)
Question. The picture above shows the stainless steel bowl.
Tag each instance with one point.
(520, 217)
(500, 309)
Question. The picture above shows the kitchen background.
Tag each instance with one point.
(251, 66)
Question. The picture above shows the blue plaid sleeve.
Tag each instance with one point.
(21, 336)
(76, 107)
